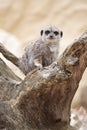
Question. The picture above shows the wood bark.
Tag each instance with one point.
(43, 99)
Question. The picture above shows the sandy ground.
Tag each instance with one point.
(22, 20)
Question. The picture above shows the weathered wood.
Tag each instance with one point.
(9, 56)
(51, 91)
(44, 98)
(8, 81)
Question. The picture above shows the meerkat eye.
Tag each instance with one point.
(56, 33)
(47, 32)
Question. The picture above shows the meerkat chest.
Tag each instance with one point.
(50, 55)
(54, 49)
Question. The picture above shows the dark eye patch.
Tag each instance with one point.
(56, 33)
(47, 32)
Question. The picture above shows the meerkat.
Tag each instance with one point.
(42, 52)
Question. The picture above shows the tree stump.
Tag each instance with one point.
(43, 99)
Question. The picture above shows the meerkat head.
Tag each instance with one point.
(51, 34)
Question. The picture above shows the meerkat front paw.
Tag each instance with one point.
(38, 64)
(40, 67)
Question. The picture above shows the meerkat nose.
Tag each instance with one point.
(51, 36)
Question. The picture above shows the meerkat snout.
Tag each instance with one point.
(51, 34)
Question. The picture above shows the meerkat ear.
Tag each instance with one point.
(61, 33)
(41, 33)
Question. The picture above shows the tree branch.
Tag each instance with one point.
(8, 55)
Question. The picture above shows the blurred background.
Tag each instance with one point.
(25, 18)
(22, 20)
